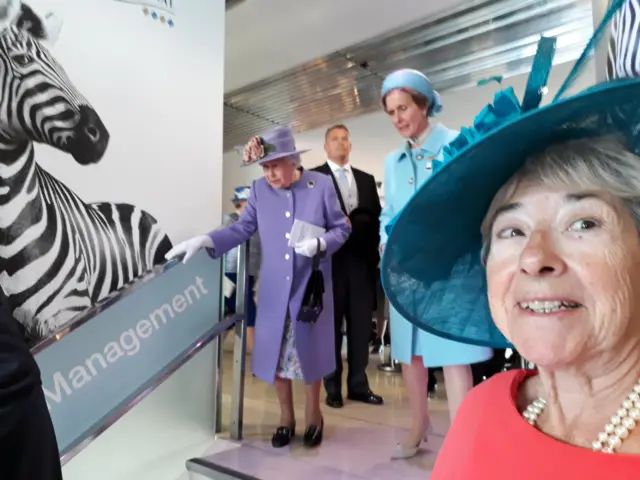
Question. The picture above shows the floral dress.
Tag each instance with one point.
(289, 363)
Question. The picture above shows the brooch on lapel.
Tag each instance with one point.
(430, 159)
(311, 184)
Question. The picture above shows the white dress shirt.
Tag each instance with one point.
(347, 171)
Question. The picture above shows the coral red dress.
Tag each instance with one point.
(489, 440)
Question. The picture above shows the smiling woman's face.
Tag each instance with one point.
(563, 273)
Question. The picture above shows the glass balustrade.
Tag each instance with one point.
(117, 352)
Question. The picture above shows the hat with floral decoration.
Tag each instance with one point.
(271, 145)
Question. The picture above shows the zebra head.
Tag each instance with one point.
(38, 102)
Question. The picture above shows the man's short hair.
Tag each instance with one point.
(339, 126)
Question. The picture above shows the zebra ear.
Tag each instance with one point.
(9, 12)
(52, 27)
(45, 28)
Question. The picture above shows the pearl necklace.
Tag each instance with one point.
(615, 432)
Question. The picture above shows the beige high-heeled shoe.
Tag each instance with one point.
(401, 452)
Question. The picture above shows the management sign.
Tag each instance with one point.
(93, 371)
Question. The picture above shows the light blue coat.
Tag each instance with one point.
(405, 170)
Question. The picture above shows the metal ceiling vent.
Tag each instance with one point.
(494, 37)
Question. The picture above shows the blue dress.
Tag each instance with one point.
(405, 170)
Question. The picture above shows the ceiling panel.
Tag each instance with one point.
(496, 37)
(263, 38)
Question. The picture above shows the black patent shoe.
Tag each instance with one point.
(283, 436)
(313, 435)
(334, 401)
(366, 397)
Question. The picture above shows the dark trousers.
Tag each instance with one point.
(431, 386)
(352, 300)
(250, 309)
(488, 368)
(29, 450)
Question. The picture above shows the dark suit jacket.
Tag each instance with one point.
(19, 372)
(365, 223)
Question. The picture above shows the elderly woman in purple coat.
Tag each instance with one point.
(286, 349)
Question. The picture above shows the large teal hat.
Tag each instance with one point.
(432, 271)
(415, 80)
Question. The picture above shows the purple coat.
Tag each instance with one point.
(284, 275)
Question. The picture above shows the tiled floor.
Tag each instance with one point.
(358, 439)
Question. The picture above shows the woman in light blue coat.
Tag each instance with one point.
(410, 102)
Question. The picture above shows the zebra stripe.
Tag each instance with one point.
(58, 254)
(623, 55)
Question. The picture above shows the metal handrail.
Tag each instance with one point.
(150, 386)
(204, 467)
(93, 311)
(215, 333)
(240, 344)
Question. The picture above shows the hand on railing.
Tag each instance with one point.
(188, 248)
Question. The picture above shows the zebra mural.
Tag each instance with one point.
(623, 56)
(58, 254)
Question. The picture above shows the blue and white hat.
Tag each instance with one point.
(241, 194)
(410, 79)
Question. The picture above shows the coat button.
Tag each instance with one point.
(287, 256)
(419, 157)
(287, 235)
(288, 277)
(288, 214)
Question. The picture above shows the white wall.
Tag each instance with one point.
(159, 92)
(373, 136)
(155, 439)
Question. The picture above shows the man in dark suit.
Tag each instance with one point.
(28, 447)
(354, 269)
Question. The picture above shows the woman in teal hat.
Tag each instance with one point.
(543, 254)
(411, 103)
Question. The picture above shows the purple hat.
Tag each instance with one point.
(271, 145)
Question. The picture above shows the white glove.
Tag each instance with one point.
(190, 247)
(308, 248)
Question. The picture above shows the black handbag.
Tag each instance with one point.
(312, 305)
